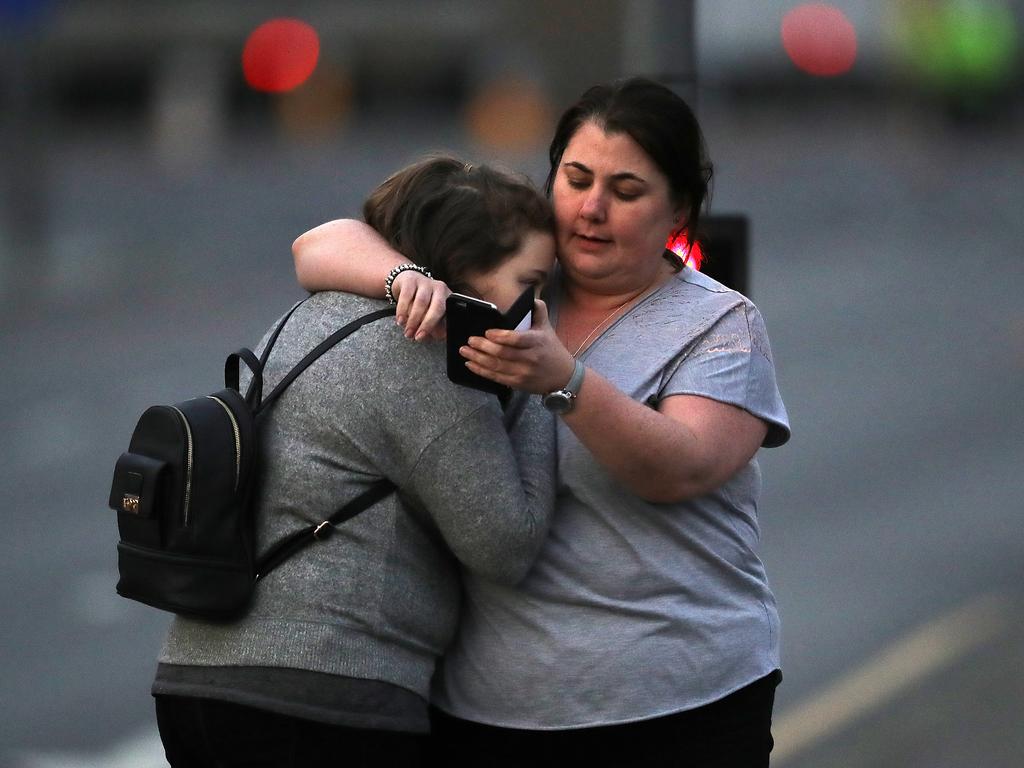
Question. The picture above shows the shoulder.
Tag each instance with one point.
(704, 291)
(377, 349)
(692, 303)
(330, 310)
(694, 313)
(375, 375)
(717, 301)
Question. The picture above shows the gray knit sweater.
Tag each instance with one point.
(380, 599)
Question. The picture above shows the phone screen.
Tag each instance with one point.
(521, 312)
(467, 316)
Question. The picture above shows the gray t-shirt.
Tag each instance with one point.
(634, 609)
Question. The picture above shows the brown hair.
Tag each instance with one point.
(661, 123)
(456, 219)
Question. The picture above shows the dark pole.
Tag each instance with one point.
(23, 174)
(660, 42)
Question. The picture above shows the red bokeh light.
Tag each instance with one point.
(691, 254)
(819, 39)
(280, 55)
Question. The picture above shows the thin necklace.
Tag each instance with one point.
(648, 290)
(594, 330)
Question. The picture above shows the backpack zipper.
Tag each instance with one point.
(188, 461)
(238, 438)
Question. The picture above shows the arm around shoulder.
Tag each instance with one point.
(344, 255)
(349, 255)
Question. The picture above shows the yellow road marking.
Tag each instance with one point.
(909, 660)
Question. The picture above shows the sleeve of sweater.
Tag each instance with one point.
(491, 491)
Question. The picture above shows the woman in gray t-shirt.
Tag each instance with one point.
(646, 633)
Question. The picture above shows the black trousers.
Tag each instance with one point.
(734, 732)
(205, 733)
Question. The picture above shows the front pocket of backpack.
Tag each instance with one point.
(135, 494)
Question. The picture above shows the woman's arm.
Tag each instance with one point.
(344, 255)
(349, 255)
(687, 447)
(492, 493)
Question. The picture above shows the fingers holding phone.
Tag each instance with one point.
(534, 362)
(469, 316)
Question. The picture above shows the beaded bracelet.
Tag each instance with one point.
(389, 281)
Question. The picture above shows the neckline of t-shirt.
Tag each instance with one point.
(673, 278)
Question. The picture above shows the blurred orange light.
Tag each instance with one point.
(819, 39)
(280, 55)
(319, 110)
(510, 114)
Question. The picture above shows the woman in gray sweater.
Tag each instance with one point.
(334, 659)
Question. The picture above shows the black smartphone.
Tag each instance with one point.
(466, 316)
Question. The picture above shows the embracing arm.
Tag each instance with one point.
(686, 448)
(492, 493)
(350, 255)
(344, 255)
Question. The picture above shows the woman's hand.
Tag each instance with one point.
(421, 305)
(533, 361)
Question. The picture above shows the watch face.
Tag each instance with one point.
(558, 402)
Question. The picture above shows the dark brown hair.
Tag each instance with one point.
(454, 218)
(660, 122)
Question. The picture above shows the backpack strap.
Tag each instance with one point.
(301, 539)
(322, 347)
(233, 365)
(233, 370)
(280, 327)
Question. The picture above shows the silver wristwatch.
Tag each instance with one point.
(562, 400)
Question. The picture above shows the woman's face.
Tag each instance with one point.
(529, 266)
(613, 210)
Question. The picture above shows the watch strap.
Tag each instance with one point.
(573, 387)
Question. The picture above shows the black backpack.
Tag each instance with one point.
(183, 494)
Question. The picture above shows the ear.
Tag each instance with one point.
(679, 222)
(679, 218)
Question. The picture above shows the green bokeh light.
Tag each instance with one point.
(962, 43)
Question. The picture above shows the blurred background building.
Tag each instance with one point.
(868, 159)
(168, 74)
